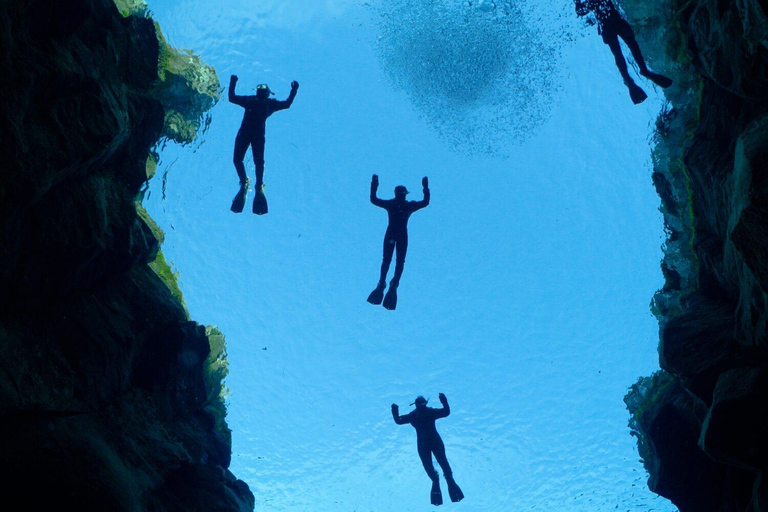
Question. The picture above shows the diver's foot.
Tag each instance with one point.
(238, 203)
(436, 496)
(454, 491)
(390, 299)
(637, 94)
(660, 80)
(260, 201)
(377, 295)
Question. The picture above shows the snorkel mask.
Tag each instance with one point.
(263, 91)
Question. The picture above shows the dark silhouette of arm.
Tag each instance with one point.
(374, 187)
(234, 98)
(446, 410)
(581, 8)
(418, 205)
(400, 420)
(282, 105)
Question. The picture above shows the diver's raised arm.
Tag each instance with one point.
(282, 105)
(418, 205)
(446, 410)
(396, 415)
(374, 187)
(233, 97)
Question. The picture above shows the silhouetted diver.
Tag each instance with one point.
(396, 237)
(428, 441)
(252, 130)
(611, 25)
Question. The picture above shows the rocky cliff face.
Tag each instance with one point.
(110, 396)
(701, 422)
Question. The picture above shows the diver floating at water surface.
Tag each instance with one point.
(612, 26)
(428, 442)
(399, 211)
(252, 133)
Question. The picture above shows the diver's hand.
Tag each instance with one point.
(294, 85)
(395, 409)
(425, 182)
(233, 78)
(375, 181)
(442, 398)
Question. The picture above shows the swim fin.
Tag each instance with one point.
(454, 491)
(436, 495)
(260, 202)
(238, 203)
(390, 299)
(660, 80)
(637, 94)
(377, 295)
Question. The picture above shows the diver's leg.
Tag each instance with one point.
(425, 454)
(241, 146)
(257, 146)
(402, 249)
(438, 448)
(454, 491)
(624, 30)
(612, 40)
(389, 249)
(628, 35)
(390, 299)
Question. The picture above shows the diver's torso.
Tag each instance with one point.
(424, 423)
(256, 113)
(399, 212)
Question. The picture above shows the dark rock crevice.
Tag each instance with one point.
(700, 421)
(110, 396)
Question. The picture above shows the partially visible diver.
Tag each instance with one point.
(252, 133)
(396, 238)
(612, 26)
(429, 442)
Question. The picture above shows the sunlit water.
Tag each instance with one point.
(526, 288)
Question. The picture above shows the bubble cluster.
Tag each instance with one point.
(483, 74)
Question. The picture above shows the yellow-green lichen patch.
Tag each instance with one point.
(132, 7)
(217, 368)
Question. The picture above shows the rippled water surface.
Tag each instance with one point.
(526, 288)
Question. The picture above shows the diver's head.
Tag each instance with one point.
(263, 91)
(400, 192)
(420, 402)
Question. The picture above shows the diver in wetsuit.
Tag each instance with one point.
(396, 237)
(428, 441)
(611, 25)
(252, 130)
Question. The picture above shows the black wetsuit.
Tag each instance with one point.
(396, 237)
(253, 128)
(611, 25)
(428, 441)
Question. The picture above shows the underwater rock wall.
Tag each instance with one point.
(110, 396)
(701, 421)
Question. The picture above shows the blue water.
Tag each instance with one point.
(526, 289)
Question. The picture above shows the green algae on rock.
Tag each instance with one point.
(188, 87)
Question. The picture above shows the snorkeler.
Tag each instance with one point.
(257, 109)
(428, 441)
(396, 237)
(611, 25)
